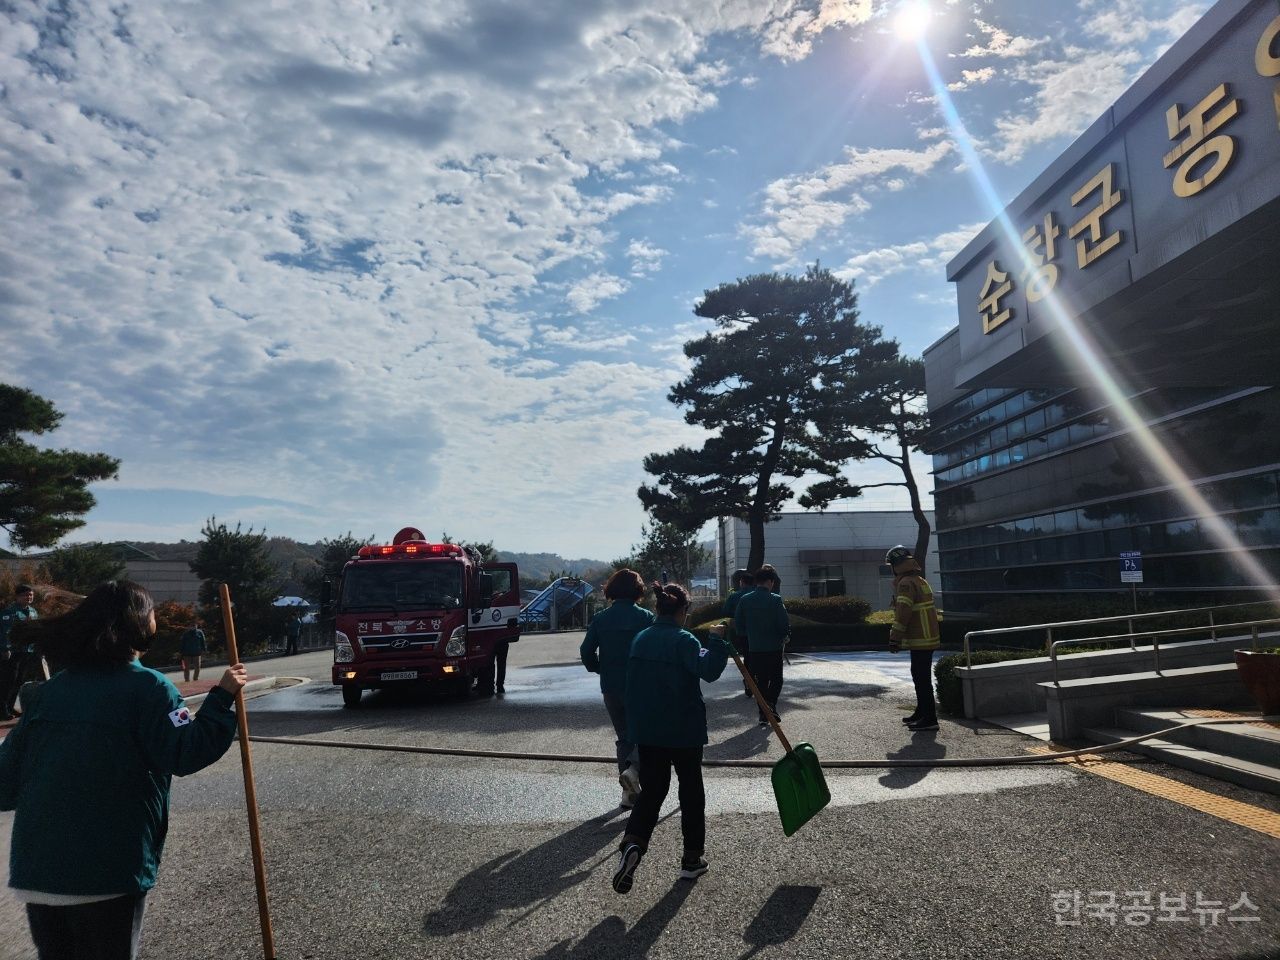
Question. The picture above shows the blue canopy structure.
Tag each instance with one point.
(561, 599)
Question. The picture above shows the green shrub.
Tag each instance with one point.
(829, 609)
(950, 693)
(706, 612)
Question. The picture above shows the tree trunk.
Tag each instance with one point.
(923, 529)
(755, 559)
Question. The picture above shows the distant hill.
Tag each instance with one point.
(285, 551)
(540, 566)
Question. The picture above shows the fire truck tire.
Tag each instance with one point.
(351, 695)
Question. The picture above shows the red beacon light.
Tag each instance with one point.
(411, 542)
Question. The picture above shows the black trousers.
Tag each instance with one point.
(8, 686)
(104, 930)
(656, 764)
(766, 669)
(500, 651)
(922, 677)
(494, 676)
(22, 666)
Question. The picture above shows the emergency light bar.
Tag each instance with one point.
(413, 548)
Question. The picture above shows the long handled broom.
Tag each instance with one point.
(250, 789)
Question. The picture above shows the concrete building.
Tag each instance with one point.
(836, 553)
(165, 579)
(1106, 411)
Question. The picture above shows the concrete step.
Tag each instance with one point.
(1246, 773)
(1243, 741)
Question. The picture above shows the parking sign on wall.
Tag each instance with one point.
(1131, 566)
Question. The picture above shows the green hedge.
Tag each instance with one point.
(807, 635)
(706, 612)
(833, 610)
(950, 693)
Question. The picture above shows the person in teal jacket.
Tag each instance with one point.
(605, 651)
(668, 721)
(16, 661)
(743, 583)
(87, 770)
(762, 616)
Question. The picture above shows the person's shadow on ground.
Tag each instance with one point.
(518, 879)
(778, 921)
(748, 743)
(781, 917)
(611, 940)
(924, 745)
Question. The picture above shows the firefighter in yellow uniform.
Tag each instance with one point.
(915, 628)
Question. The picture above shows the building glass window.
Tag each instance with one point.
(826, 582)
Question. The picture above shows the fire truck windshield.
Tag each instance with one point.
(402, 586)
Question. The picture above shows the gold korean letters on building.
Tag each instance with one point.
(1040, 240)
(1267, 60)
(1198, 145)
(996, 288)
(1042, 276)
(1093, 245)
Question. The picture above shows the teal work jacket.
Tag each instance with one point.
(88, 769)
(607, 645)
(763, 618)
(664, 694)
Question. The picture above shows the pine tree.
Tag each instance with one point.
(884, 406)
(768, 383)
(43, 493)
(241, 561)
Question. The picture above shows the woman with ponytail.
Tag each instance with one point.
(88, 769)
(667, 720)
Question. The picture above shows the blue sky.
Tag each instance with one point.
(319, 267)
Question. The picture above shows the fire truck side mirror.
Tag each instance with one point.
(326, 599)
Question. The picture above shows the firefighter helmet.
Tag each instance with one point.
(897, 555)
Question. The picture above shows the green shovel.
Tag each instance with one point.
(798, 783)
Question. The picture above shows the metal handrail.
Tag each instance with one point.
(1129, 618)
(1155, 636)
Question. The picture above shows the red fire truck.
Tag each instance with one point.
(413, 611)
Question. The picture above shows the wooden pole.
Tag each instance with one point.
(250, 791)
(755, 691)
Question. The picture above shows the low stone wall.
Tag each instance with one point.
(999, 689)
(1077, 705)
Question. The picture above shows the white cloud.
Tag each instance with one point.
(1069, 95)
(587, 293)
(1000, 43)
(1116, 22)
(972, 78)
(798, 209)
(790, 33)
(926, 256)
(645, 257)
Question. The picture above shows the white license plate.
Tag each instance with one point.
(401, 675)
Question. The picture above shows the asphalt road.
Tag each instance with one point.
(383, 855)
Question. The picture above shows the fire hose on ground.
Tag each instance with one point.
(875, 763)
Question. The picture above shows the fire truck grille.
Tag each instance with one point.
(399, 644)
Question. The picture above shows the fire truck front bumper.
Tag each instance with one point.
(387, 673)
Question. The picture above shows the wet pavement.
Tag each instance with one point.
(405, 855)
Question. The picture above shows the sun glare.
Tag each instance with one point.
(912, 20)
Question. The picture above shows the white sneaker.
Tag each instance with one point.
(630, 779)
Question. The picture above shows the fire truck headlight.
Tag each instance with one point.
(342, 649)
(457, 645)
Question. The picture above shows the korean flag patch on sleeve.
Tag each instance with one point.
(181, 717)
